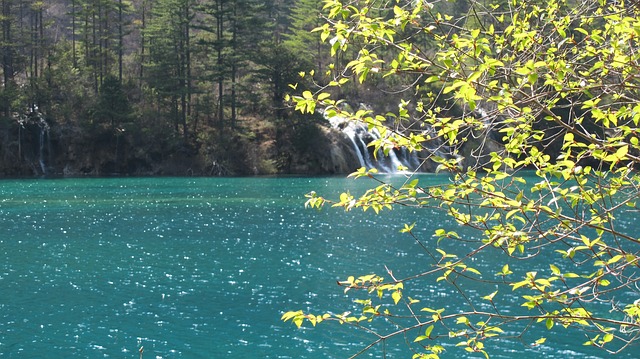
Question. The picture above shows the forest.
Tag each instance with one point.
(159, 87)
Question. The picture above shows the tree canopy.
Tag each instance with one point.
(532, 108)
(160, 78)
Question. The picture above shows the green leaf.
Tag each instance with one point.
(549, 323)
(432, 78)
(407, 228)
(428, 331)
(615, 259)
(568, 137)
(397, 295)
(490, 296)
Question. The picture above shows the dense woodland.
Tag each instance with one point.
(157, 87)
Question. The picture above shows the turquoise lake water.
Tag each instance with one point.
(203, 268)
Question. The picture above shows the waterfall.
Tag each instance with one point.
(355, 141)
(44, 142)
(41, 150)
(360, 137)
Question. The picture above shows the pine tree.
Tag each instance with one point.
(251, 32)
(169, 64)
(213, 41)
(7, 58)
(304, 17)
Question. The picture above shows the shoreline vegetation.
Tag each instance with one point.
(173, 87)
(158, 87)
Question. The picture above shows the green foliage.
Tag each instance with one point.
(553, 88)
(305, 16)
(113, 105)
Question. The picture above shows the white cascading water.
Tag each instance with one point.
(35, 117)
(360, 137)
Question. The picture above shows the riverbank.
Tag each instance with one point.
(256, 146)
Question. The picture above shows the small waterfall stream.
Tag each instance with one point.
(44, 131)
(44, 143)
(360, 137)
(38, 140)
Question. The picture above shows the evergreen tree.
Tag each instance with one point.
(251, 33)
(112, 105)
(304, 17)
(169, 64)
(215, 36)
(8, 89)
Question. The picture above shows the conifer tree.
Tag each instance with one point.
(8, 58)
(304, 17)
(168, 33)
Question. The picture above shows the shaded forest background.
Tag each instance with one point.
(160, 87)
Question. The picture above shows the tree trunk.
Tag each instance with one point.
(94, 55)
(186, 68)
(7, 61)
(73, 33)
(7, 51)
(143, 28)
(234, 65)
(120, 40)
(219, 47)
